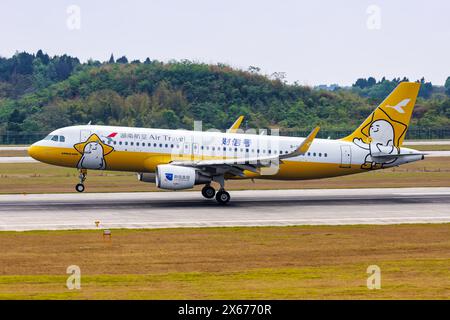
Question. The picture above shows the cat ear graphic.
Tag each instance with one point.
(93, 138)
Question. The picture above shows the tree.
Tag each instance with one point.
(360, 83)
(23, 63)
(45, 59)
(111, 59)
(447, 86)
(426, 89)
(122, 59)
(371, 81)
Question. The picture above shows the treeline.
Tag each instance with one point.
(41, 93)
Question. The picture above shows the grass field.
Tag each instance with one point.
(426, 147)
(232, 263)
(43, 178)
(13, 153)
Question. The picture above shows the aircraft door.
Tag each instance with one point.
(195, 150)
(346, 157)
(84, 135)
(187, 150)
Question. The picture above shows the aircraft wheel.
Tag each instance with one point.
(208, 192)
(79, 187)
(222, 197)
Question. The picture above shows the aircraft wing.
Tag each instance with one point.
(237, 166)
(388, 156)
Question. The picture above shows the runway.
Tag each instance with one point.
(247, 208)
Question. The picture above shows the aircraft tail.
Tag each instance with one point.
(389, 122)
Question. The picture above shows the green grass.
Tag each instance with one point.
(426, 147)
(303, 262)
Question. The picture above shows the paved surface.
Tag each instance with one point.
(247, 208)
(17, 160)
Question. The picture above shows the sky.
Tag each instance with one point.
(313, 42)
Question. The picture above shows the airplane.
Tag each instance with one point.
(181, 159)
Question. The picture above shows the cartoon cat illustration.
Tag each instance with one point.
(381, 140)
(92, 156)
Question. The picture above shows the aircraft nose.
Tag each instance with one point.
(33, 151)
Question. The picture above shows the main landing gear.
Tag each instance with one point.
(208, 192)
(80, 186)
(222, 196)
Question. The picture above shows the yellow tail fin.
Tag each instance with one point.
(388, 123)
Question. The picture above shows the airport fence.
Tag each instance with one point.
(10, 138)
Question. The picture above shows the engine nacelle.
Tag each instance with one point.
(146, 177)
(176, 177)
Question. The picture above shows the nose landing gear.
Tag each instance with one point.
(80, 186)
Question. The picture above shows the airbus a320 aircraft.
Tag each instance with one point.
(180, 159)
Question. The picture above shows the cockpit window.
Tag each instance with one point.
(62, 139)
(55, 138)
(49, 137)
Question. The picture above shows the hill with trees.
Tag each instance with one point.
(39, 93)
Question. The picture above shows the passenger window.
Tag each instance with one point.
(309, 153)
(160, 145)
(314, 154)
(166, 145)
(114, 142)
(126, 143)
(320, 154)
(62, 139)
(325, 155)
(120, 142)
(171, 146)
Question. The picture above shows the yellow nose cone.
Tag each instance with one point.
(36, 152)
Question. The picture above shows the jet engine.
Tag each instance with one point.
(172, 177)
